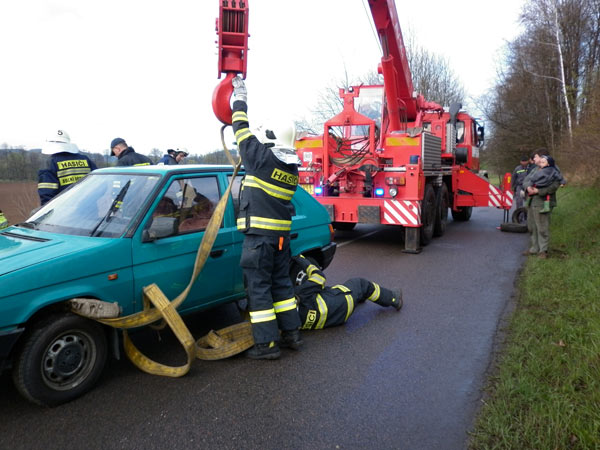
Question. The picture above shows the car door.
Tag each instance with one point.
(169, 261)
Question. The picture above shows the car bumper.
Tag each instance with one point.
(7, 342)
(328, 252)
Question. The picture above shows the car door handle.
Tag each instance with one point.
(217, 253)
(294, 236)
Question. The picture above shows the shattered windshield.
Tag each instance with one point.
(101, 205)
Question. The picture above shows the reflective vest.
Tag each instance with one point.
(3, 221)
(269, 184)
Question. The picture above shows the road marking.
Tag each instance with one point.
(356, 239)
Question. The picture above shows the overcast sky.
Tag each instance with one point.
(145, 71)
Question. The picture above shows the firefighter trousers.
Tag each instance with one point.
(265, 262)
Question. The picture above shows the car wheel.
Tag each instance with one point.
(60, 359)
(428, 212)
(441, 214)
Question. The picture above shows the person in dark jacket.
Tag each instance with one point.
(265, 217)
(518, 176)
(169, 159)
(126, 155)
(322, 306)
(65, 166)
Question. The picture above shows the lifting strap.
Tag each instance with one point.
(216, 344)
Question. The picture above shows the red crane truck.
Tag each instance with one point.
(392, 158)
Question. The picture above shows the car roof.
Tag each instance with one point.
(167, 169)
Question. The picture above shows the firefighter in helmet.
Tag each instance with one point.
(322, 306)
(65, 166)
(265, 217)
(168, 159)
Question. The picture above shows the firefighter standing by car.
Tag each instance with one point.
(265, 217)
(322, 306)
(168, 159)
(518, 176)
(65, 166)
(126, 154)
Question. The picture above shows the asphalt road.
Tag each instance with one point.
(386, 380)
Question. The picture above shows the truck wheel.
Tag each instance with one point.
(520, 215)
(463, 214)
(428, 213)
(441, 214)
(60, 359)
(344, 226)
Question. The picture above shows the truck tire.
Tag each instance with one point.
(344, 226)
(513, 227)
(441, 215)
(60, 359)
(520, 215)
(463, 214)
(428, 214)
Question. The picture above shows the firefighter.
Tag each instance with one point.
(265, 217)
(65, 166)
(518, 176)
(180, 154)
(127, 155)
(169, 159)
(322, 306)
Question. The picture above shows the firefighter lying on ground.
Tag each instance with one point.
(322, 306)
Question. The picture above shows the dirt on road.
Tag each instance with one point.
(17, 199)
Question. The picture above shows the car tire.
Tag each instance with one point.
(60, 359)
(513, 227)
(428, 213)
(520, 215)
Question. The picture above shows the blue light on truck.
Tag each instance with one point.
(318, 190)
(379, 192)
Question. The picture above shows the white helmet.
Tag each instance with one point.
(59, 141)
(280, 133)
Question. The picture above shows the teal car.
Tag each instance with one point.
(111, 234)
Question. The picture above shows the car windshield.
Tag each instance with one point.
(101, 205)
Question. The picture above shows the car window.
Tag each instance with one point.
(191, 201)
(100, 205)
(235, 192)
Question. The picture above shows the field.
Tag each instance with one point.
(17, 199)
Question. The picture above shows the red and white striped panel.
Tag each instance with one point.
(498, 199)
(402, 212)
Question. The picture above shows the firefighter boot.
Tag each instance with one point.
(291, 339)
(397, 300)
(264, 351)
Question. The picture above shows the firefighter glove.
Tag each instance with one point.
(239, 89)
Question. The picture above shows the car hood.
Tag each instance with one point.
(21, 248)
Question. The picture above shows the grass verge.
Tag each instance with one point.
(545, 391)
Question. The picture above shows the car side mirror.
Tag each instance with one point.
(161, 227)
(480, 133)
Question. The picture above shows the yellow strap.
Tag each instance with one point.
(226, 342)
